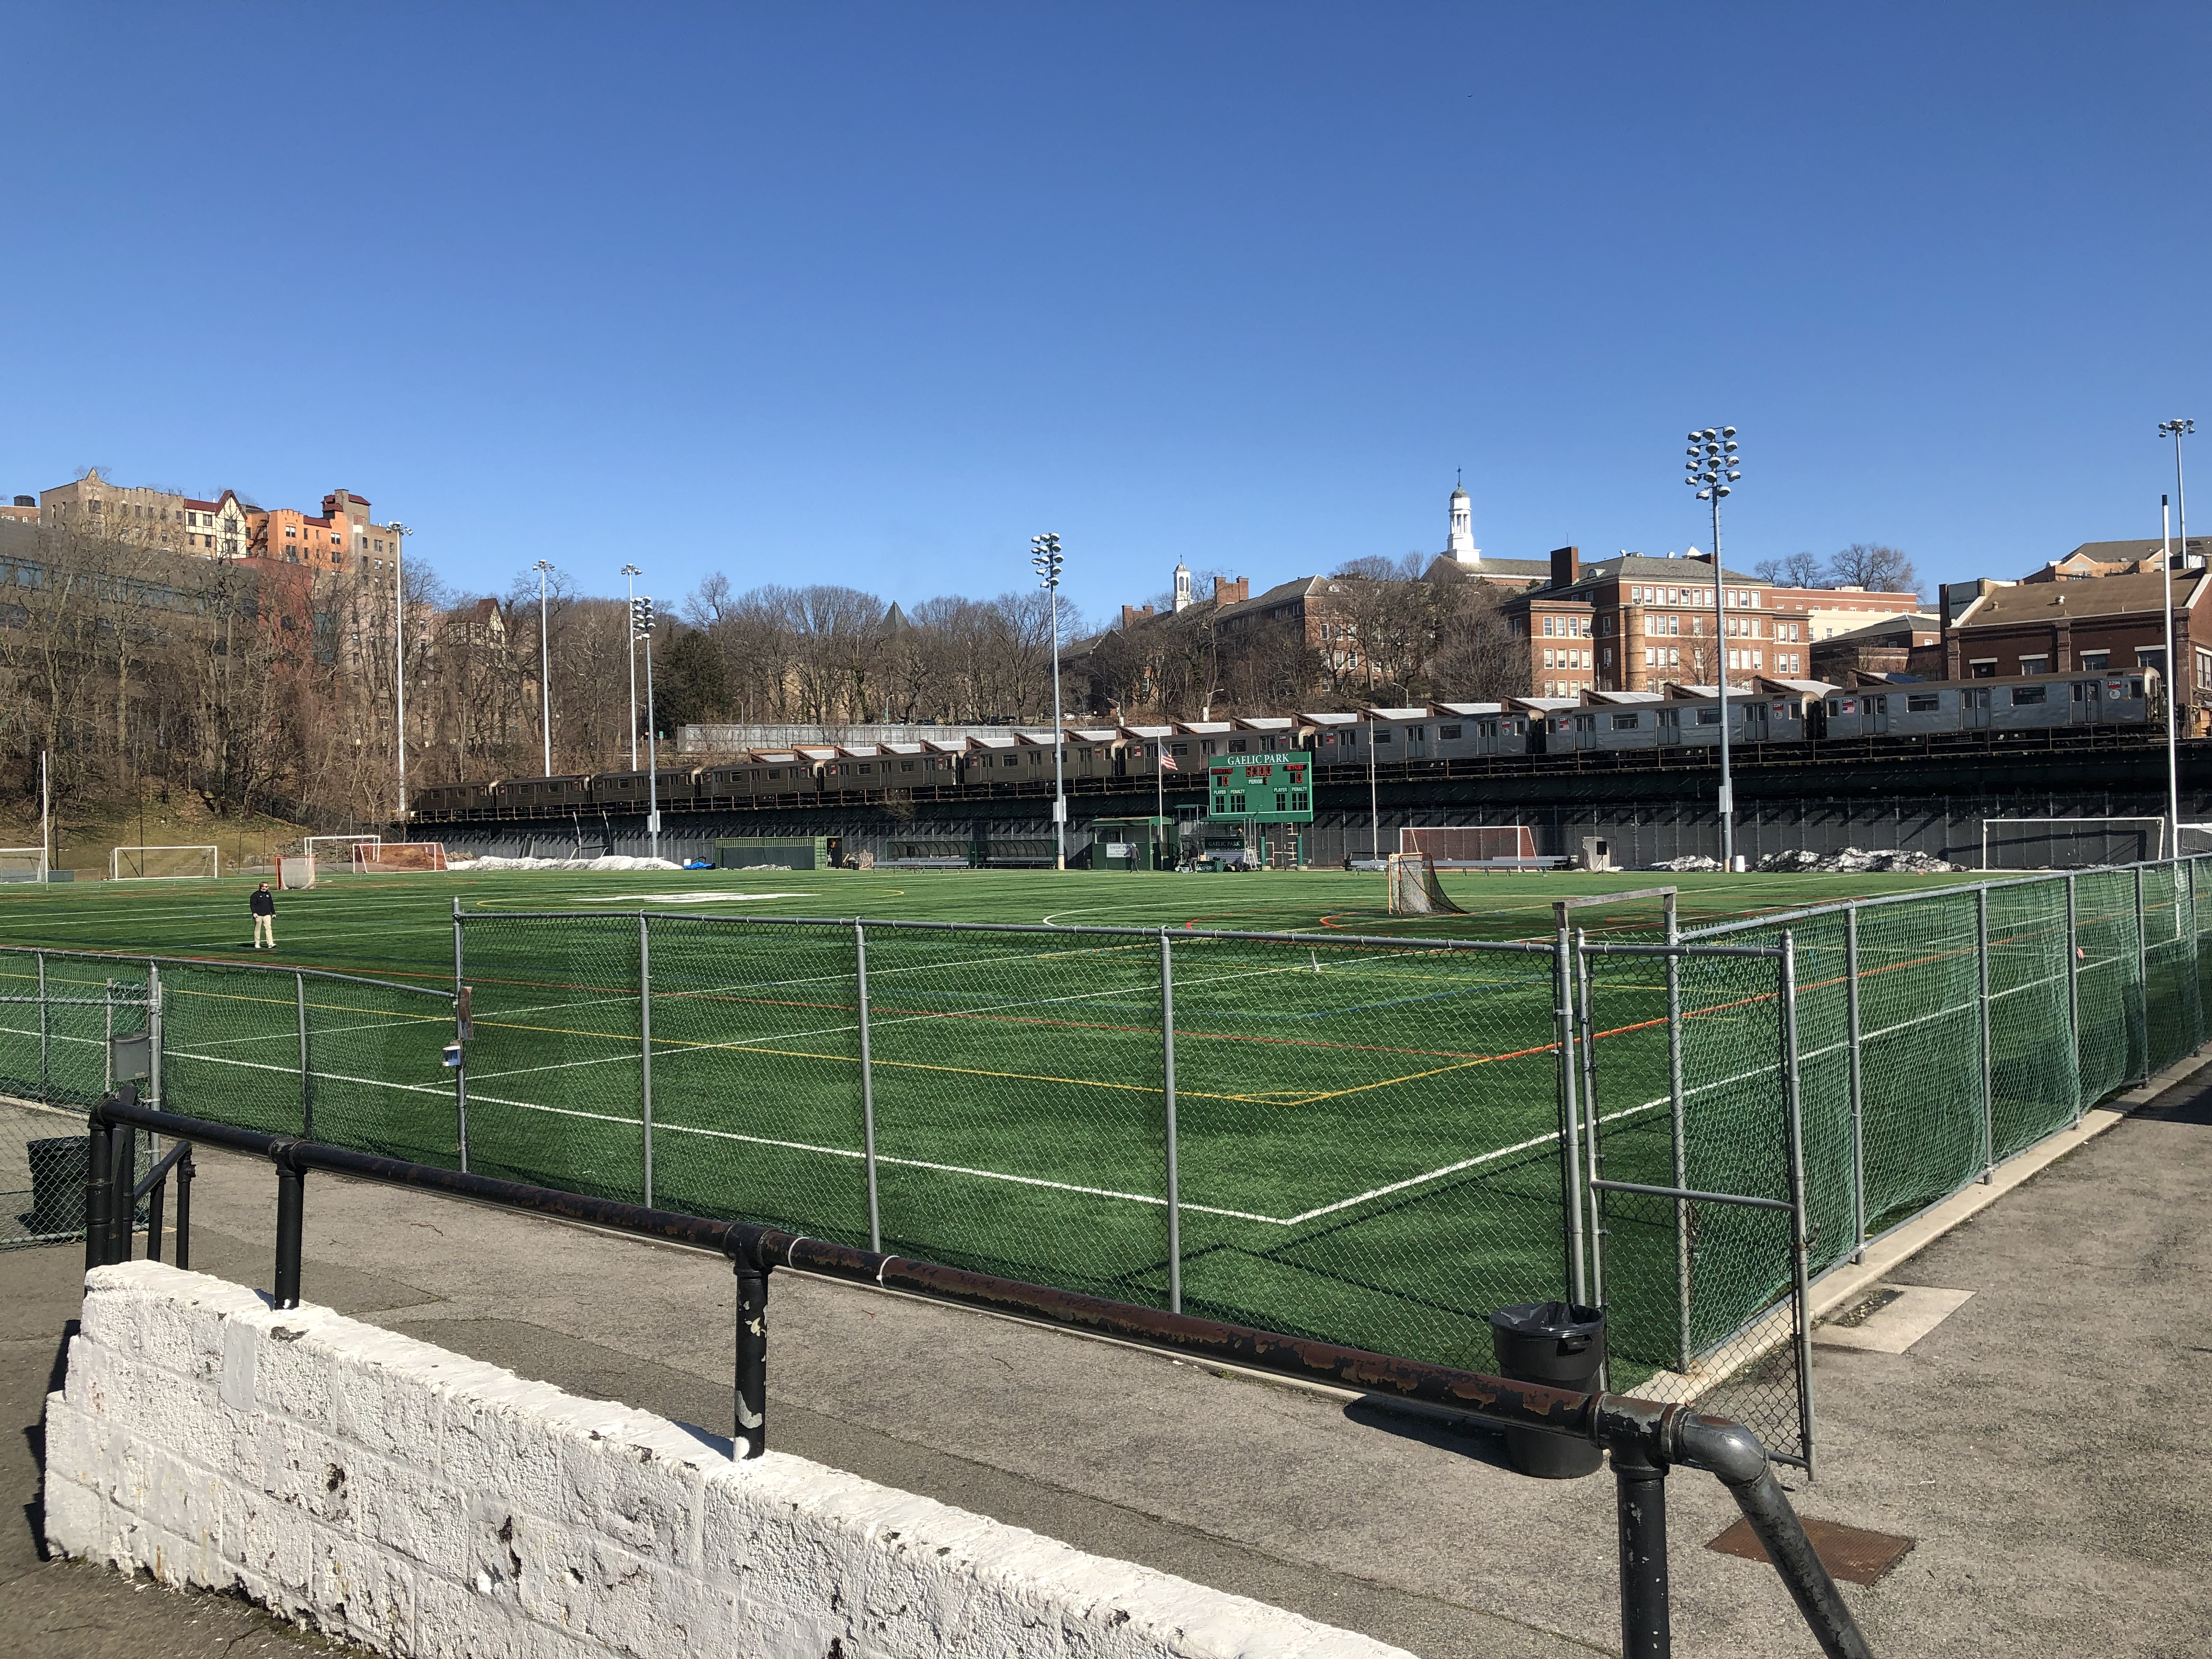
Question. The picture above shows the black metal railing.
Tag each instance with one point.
(1646, 1439)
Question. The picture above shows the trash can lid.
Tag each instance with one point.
(1548, 1319)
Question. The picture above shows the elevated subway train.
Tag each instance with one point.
(1775, 712)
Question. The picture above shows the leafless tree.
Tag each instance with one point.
(1875, 567)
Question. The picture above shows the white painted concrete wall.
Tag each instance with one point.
(424, 1504)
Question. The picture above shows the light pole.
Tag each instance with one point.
(399, 533)
(1044, 556)
(640, 628)
(1711, 470)
(633, 573)
(544, 667)
(2176, 430)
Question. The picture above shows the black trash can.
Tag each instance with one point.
(57, 1185)
(1562, 1344)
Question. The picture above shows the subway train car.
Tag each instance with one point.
(764, 776)
(1651, 722)
(673, 786)
(2020, 703)
(455, 801)
(537, 797)
(1466, 729)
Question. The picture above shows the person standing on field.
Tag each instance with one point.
(264, 916)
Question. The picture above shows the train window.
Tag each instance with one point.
(1382, 734)
(2024, 695)
(1486, 728)
(1448, 733)
(1625, 722)
(906, 766)
(865, 768)
(1585, 722)
(1922, 703)
(1708, 717)
(1236, 745)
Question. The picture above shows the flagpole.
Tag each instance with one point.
(1160, 785)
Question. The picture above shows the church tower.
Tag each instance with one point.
(1462, 545)
(1181, 586)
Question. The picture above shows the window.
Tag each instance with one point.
(1381, 734)
(1670, 719)
(1236, 745)
(2035, 665)
(2023, 695)
(1708, 717)
(2150, 656)
(1625, 722)
(2096, 662)
(1178, 748)
(1547, 660)
(1984, 668)
(1547, 627)
(1450, 733)
(1922, 703)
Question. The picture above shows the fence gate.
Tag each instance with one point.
(1685, 1127)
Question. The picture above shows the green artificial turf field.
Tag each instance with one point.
(1366, 1135)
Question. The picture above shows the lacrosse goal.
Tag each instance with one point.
(164, 863)
(1414, 889)
(1473, 845)
(2070, 843)
(295, 870)
(397, 857)
(23, 864)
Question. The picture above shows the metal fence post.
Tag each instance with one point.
(1680, 1129)
(291, 1215)
(46, 1033)
(2074, 989)
(1570, 1151)
(1168, 1097)
(1593, 1194)
(867, 1089)
(1800, 1232)
(154, 1029)
(307, 1098)
(1982, 989)
(645, 1049)
(107, 1039)
(751, 1357)
(182, 1255)
(1857, 1081)
(99, 1188)
(460, 1071)
(1640, 1506)
(2142, 975)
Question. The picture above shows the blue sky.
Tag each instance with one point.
(870, 294)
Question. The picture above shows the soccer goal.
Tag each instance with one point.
(164, 863)
(335, 846)
(2070, 843)
(2195, 841)
(23, 864)
(397, 857)
(1473, 845)
(1414, 889)
(295, 870)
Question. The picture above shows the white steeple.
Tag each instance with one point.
(1462, 546)
(1181, 586)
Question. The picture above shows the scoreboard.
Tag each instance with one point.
(1262, 788)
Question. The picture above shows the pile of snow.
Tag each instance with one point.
(1689, 863)
(1852, 861)
(605, 862)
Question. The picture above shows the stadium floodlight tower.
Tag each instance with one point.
(544, 668)
(633, 573)
(1044, 556)
(2176, 430)
(1711, 470)
(399, 534)
(640, 628)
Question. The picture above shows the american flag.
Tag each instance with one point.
(1167, 760)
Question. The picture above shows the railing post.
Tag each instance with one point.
(153, 1202)
(752, 1357)
(1678, 1109)
(306, 1097)
(123, 1206)
(645, 1049)
(1800, 1232)
(1857, 1081)
(1167, 1101)
(108, 1038)
(1981, 1001)
(1640, 1502)
(291, 1215)
(2074, 989)
(154, 1027)
(1571, 1152)
(867, 1089)
(99, 1187)
(183, 1255)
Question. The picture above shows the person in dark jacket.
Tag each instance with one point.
(264, 916)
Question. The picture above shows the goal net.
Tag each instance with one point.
(295, 870)
(1448, 845)
(1414, 889)
(335, 846)
(2195, 841)
(2070, 843)
(164, 863)
(396, 857)
(22, 864)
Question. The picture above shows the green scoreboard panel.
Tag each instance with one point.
(1263, 788)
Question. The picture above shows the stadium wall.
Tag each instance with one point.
(420, 1503)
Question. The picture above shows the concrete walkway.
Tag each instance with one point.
(2038, 1442)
